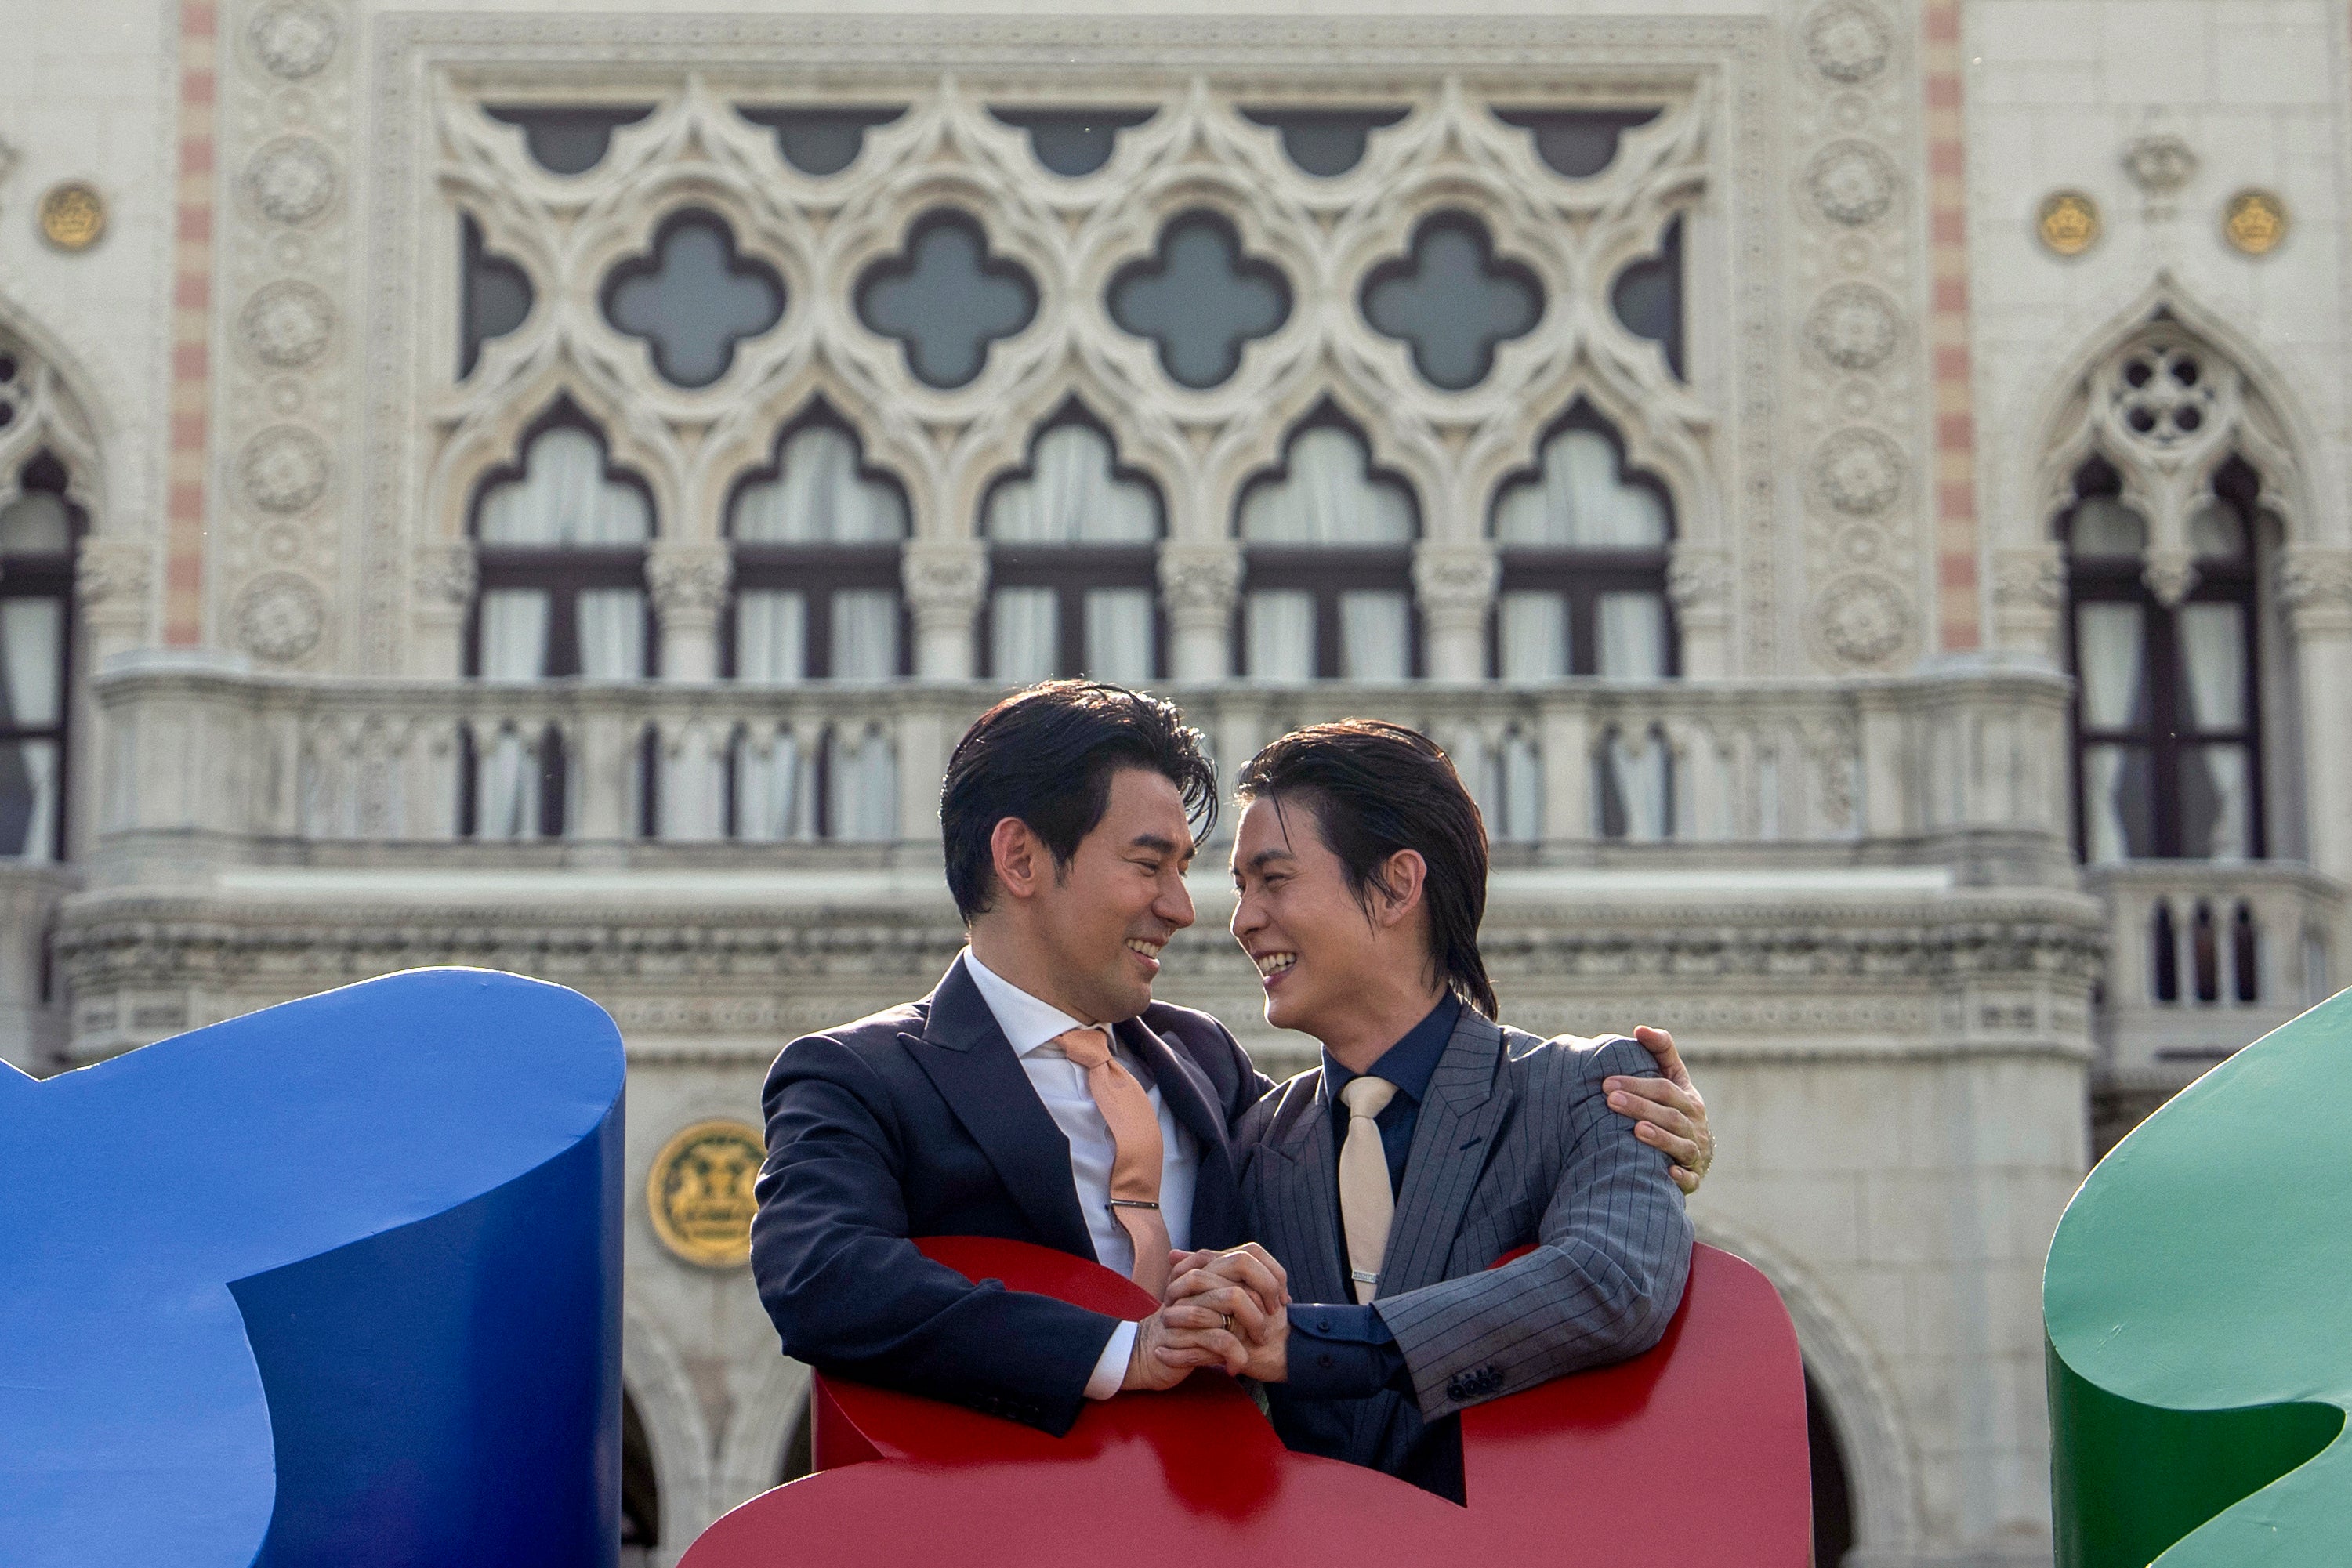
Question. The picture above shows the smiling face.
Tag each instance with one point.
(1091, 931)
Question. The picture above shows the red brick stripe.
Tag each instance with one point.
(1958, 602)
(192, 329)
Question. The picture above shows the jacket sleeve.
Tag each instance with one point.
(845, 1288)
(1612, 1257)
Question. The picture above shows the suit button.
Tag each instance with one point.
(1323, 1360)
(1322, 1325)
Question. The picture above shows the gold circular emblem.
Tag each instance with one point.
(2068, 222)
(2254, 222)
(73, 215)
(699, 1194)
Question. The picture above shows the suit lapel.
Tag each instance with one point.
(1468, 1099)
(1299, 1197)
(972, 1064)
(1217, 1200)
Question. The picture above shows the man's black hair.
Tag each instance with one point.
(1045, 755)
(1374, 789)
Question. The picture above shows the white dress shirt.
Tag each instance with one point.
(1030, 1026)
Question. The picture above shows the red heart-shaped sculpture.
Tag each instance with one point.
(1693, 1454)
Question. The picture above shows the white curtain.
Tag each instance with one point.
(1328, 497)
(1375, 634)
(818, 498)
(35, 523)
(514, 635)
(2216, 532)
(1072, 496)
(1278, 634)
(1522, 772)
(1578, 501)
(1533, 636)
(1025, 634)
(564, 498)
(32, 663)
(612, 633)
(865, 634)
(865, 804)
(771, 637)
(1638, 776)
(1118, 635)
(2107, 529)
(2111, 649)
(1633, 628)
(772, 794)
(514, 648)
(2213, 672)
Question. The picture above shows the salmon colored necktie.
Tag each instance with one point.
(1137, 1150)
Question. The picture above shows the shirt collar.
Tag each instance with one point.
(1410, 1062)
(1028, 1023)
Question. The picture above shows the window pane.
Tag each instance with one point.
(35, 523)
(1073, 142)
(1648, 296)
(2213, 666)
(818, 498)
(1634, 803)
(1278, 634)
(612, 633)
(496, 294)
(32, 662)
(864, 807)
(946, 298)
(692, 298)
(821, 140)
(773, 799)
(28, 800)
(507, 786)
(1200, 299)
(1328, 496)
(2118, 804)
(1071, 496)
(567, 138)
(1577, 502)
(1533, 641)
(2215, 533)
(564, 499)
(1025, 634)
(1452, 301)
(1577, 143)
(770, 636)
(1118, 635)
(865, 634)
(1632, 642)
(1375, 633)
(2111, 646)
(2216, 810)
(1325, 143)
(514, 635)
(2107, 529)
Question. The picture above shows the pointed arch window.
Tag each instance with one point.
(1327, 541)
(1071, 546)
(2167, 723)
(38, 527)
(818, 535)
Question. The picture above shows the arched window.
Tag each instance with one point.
(1070, 546)
(817, 537)
(561, 548)
(1328, 551)
(2167, 717)
(37, 528)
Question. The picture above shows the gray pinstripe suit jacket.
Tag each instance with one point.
(1514, 1145)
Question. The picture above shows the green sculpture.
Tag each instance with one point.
(2199, 1304)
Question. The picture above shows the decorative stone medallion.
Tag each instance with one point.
(1853, 326)
(291, 180)
(1847, 42)
(294, 39)
(72, 215)
(2254, 222)
(279, 616)
(1859, 471)
(286, 324)
(699, 1195)
(1860, 619)
(2067, 223)
(1853, 182)
(285, 468)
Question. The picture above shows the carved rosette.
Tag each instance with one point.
(1456, 585)
(2314, 584)
(1199, 582)
(1862, 620)
(944, 579)
(688, 583)
(280, 617)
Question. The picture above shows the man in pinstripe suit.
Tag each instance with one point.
(1430, 1141)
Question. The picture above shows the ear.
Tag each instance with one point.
(1017, 856)
(1405, 873)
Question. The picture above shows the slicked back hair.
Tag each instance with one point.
(1373, 789)
(1045, 755)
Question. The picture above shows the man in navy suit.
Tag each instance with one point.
(1039, 1093)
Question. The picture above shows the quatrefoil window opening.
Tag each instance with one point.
(1647, 295)
(494, 295)
(1200, 299)
(1452, 301)
(2162, 395)
(693, 296)
(946, 298)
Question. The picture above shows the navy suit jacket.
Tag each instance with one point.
(919, 1121)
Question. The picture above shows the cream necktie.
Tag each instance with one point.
(1137, 1150)
(1366, 1202)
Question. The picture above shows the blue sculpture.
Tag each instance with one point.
(334, 1283)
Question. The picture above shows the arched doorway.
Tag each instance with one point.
(1832, 1492)
(640, 1491)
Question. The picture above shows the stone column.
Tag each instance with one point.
(944, 579)
(2315, 590)
(444, 595)
(688, 583)
(1199, 582)
(1457, 587)
(2029, 597)
(1698, 580)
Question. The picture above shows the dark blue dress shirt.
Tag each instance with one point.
(1344, 1350)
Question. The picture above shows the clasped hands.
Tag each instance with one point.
(1221, 1308)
